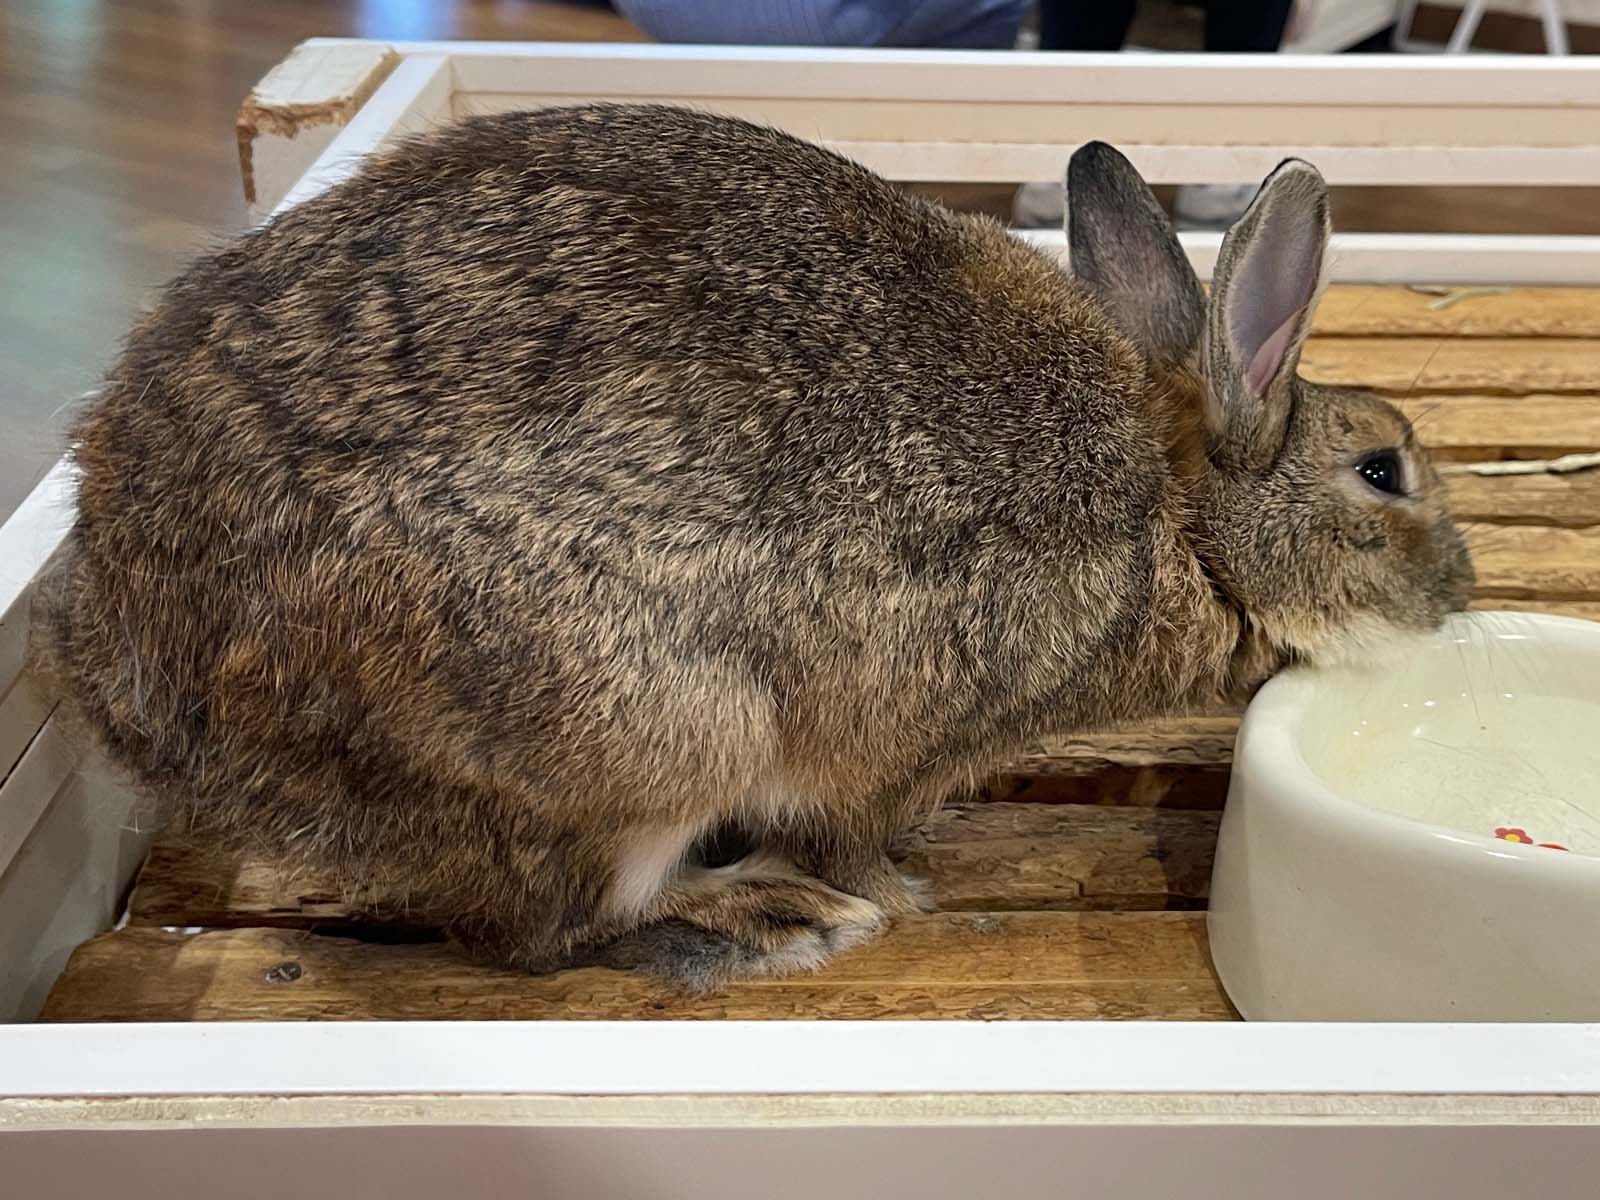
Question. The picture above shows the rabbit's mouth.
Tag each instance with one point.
(1366, 640)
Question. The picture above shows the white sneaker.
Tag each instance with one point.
(1213, 206)
(1038, 206)
(1208, 206)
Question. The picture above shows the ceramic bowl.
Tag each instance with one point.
(1420, 841)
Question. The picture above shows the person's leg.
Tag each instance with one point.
(960, 25)
(969, 24)
(1232, 27)
(1084, 25)
(1071, 25)
(1246, 26)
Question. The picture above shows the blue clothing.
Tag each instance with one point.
(932, 24)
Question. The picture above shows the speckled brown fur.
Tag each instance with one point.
(570, 487)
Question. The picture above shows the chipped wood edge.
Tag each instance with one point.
(298, 108)
(789, 1112)
(414, 97)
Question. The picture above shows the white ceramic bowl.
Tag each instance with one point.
(1370, 865)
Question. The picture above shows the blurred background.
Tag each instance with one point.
(118, 156)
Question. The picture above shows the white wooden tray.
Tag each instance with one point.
(806, 1108)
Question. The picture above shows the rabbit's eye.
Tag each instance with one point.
(1381, 469)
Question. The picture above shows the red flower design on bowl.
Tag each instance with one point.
(1510, 833)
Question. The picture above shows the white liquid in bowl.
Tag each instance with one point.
(1487, 733)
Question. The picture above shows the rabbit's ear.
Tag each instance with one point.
(1263, 294)
(1123, 248)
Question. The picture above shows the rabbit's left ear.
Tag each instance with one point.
(1263, 295)
(1124, 249)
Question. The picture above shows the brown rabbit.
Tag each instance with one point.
(614, 525)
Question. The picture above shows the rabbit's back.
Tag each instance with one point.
(545, 416)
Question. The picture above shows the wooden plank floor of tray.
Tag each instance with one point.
(1072, 887)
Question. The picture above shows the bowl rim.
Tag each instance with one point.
(1269, 746)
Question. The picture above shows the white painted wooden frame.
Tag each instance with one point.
(942, 116)
(725, 1109)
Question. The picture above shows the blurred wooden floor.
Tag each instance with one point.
(117, 162)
